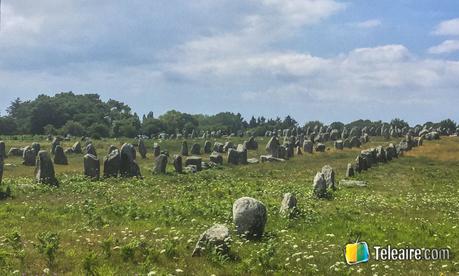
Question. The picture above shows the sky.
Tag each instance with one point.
(327, 60)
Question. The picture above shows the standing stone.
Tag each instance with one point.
(194, 160)
(308, 146)
(339, 144)
(45, 169)
(90, 149)
(218, 147)
(28, 157)
(59, 156)
(217, 238)
(298, 151)
(252, 144)
(207, 147)
(15, 152)
(160, 164)
(288, 206)
(178, 165)
(249, 216)
(242, 153)
(329, 176)
(319, 186)
(142, 149)
(217, 158)
(112, 163)
(156, 150)
(76, 148)
(91, 166)
(381, 154)
(233, 157)
(36, 148)
(2, 149)
(129, 167)
(184, 149)
(320, 147)
(350, 170)
(355, 142)
(228, 145)
(273, 146)
(1, 168)
(112, 148)
(195, 149)
(56, 142)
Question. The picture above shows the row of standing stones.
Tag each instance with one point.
(249, 215)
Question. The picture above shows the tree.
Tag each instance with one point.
(98, 131)
(73, 128)
(337, 125)
(447, 124)
(7, 126)
(399, 123)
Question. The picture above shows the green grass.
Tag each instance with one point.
(126, 227)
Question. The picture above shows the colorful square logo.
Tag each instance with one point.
(357, 253)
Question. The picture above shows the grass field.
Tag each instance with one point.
(150, 225)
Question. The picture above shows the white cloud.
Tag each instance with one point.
(448, 27)
(368, 24)
(447, 46)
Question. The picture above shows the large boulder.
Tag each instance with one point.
(329, 176)
(249, 216)
(319, 186)
(194, 160)
(178, 164)
(112, 163)
(91, 166)
(59, 156)
(28, 157)
(288, 205)
(160, 164)
(45, 169)
(142, 149)
(215, 238)
(128, 166)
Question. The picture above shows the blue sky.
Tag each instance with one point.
(322, 60)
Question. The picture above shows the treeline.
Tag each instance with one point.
(87, 115)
